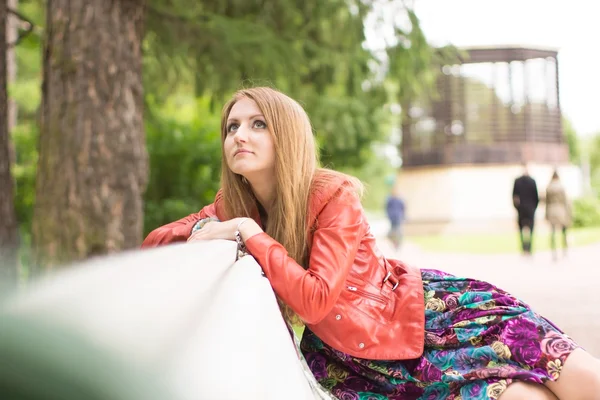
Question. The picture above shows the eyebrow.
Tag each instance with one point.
(250, 117)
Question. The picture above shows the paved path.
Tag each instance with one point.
(567, 291)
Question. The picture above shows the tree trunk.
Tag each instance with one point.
(12, 33)
(9, 237)
(93, 166)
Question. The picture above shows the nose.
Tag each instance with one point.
(241, 135)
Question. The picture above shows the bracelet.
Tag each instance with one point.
(198, 225)
(241, 250)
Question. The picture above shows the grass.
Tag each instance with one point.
(499, 243)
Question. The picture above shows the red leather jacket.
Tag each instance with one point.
(343, 296)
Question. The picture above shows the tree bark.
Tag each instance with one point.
(12, 33)
(9, 234)
(93, 166)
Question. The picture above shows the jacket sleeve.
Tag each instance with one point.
(548, 201)
(177, 231)
(313, 292)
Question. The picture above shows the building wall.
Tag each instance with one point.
(474, 197)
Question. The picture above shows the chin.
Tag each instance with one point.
(245, 172)
(248, 170)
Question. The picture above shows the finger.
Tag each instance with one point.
(198, 235)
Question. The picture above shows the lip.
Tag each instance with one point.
(240, 151)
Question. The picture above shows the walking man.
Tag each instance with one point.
(525, 200)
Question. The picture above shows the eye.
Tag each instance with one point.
(258, 124)
(232, 127)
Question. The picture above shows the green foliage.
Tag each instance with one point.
(414, 65)
(228, 42)
(586, 212)
(183, 139)
(27, 95)
(311, 49)
(376, 189)
(497, 242)
(375, 174)
(593, 149)
(26, 91)
(411, 61)
(346, 127)
(572, 141)
(29, 54)
(24, 138)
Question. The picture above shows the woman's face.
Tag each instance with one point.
(248, 146)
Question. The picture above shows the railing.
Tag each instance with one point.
(493, 153)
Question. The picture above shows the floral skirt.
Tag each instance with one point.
(478, 339)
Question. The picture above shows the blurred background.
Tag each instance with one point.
(110, 113)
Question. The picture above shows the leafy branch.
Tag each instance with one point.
(29, 27)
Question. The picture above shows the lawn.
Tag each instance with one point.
(499, 243)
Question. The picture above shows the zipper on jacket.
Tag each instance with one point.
(366, 294)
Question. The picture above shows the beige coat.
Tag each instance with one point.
(558, 209)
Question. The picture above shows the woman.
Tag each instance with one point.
(375, 327)
(558, 211)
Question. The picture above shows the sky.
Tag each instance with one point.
(571, 27)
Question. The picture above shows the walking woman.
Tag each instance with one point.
(558, 212)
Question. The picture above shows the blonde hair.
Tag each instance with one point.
(296, 165)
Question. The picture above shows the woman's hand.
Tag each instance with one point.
(226, 230)
(216, 230)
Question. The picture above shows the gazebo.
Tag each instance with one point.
(462, 146)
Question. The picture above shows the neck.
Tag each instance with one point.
(264, 192)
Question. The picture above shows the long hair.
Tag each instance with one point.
(296, 161)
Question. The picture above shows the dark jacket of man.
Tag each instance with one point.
(525, 196)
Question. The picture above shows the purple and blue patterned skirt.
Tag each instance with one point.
(478, 339)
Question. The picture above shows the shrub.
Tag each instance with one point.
(586, 212)
(183, 139)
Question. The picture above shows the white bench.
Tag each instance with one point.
(188, 315)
